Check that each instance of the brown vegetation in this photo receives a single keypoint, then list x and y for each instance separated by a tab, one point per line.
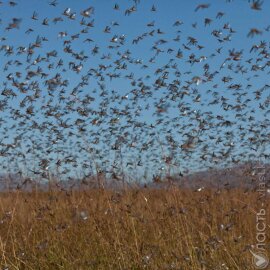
132	229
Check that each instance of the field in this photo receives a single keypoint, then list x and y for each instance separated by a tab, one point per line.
131	229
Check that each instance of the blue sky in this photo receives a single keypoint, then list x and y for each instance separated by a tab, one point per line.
238	14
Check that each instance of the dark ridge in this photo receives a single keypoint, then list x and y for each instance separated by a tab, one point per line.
241	176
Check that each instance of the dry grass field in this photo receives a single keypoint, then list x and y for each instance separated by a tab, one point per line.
132	229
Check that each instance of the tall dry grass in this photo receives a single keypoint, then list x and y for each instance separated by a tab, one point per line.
132	229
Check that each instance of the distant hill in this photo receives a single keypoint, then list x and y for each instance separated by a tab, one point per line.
242	176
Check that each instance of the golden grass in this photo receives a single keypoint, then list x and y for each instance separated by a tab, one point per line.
133	229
